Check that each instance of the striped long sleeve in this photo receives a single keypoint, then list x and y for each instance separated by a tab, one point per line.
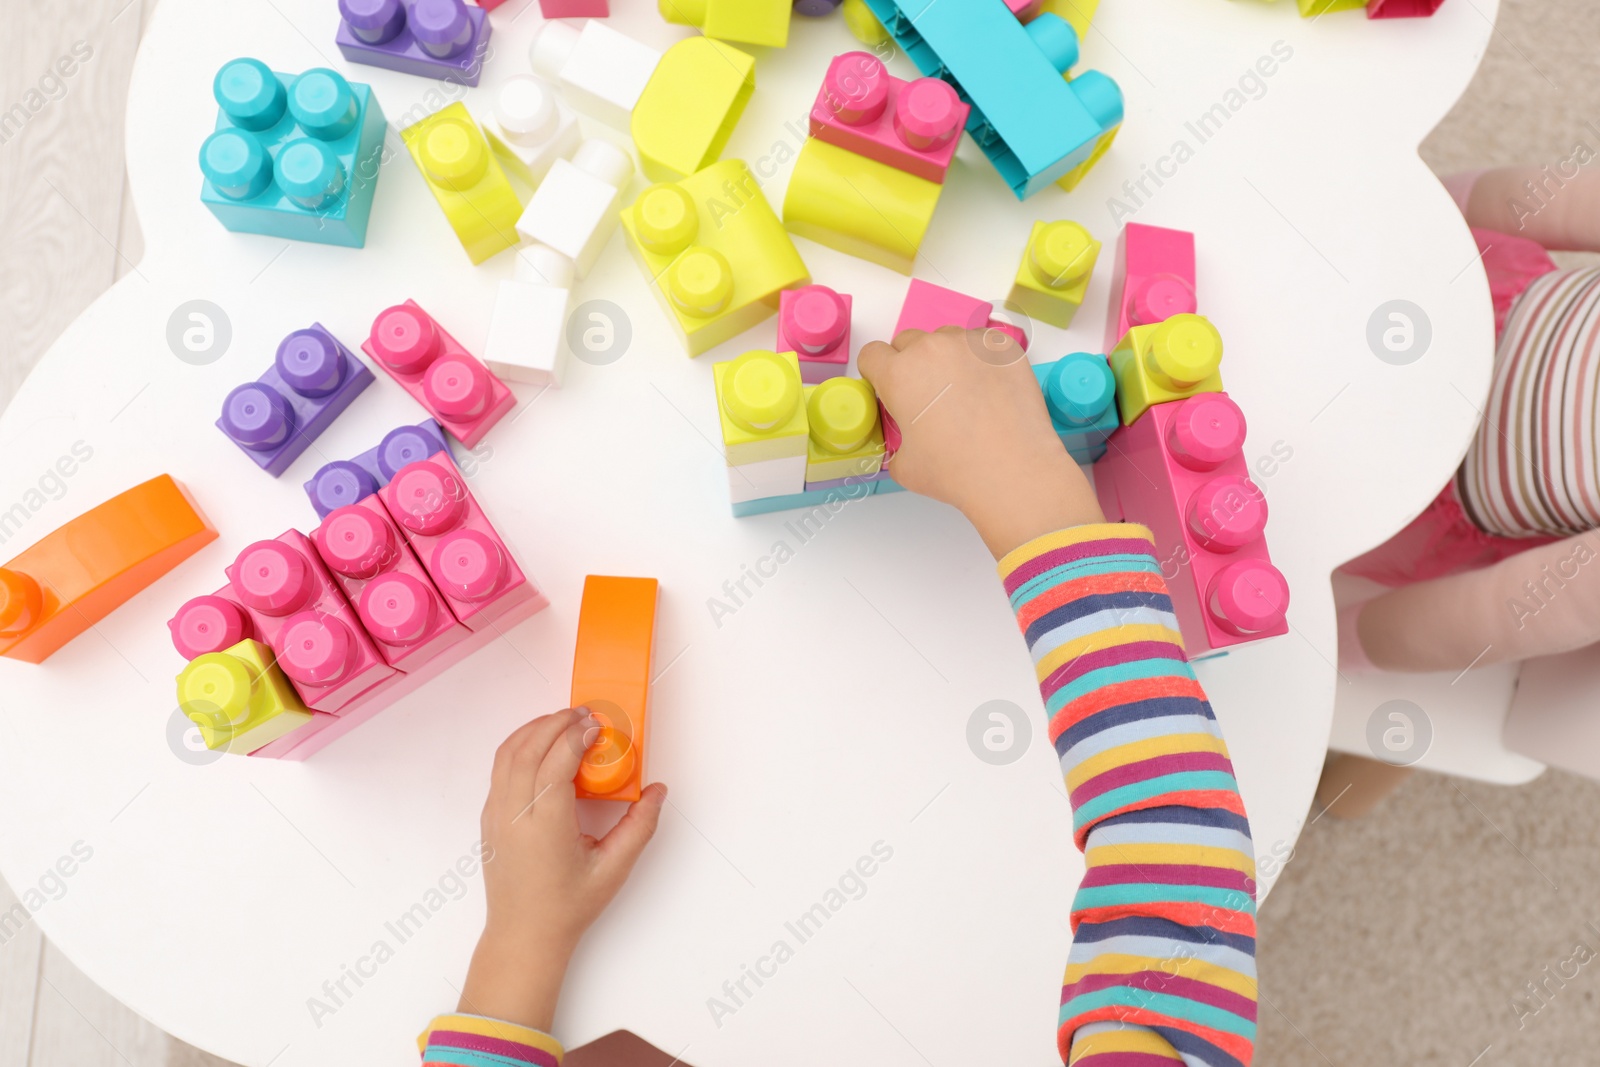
1162	967
476	1041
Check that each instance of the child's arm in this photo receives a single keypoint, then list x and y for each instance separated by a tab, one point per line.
1539	603
1163	960
546	881
1539	204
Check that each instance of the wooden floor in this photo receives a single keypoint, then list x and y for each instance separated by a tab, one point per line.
66	233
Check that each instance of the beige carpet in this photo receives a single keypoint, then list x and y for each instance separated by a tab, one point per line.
1410	937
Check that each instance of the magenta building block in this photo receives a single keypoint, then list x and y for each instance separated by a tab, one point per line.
911	126
311	381
1402	9
1181	471
814	324
393	596
301	614
212	623
324	730
442	39
1154	279
455	542
929	306
450	382
348	481
573	9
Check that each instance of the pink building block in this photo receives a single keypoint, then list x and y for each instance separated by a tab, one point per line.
302	616
814	324
568	9
930	306
467	560
1402	9
393	596
1180	470
211	623
433	367
1154	279
911	126
324	730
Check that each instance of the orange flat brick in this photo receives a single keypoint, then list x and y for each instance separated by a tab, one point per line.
611	677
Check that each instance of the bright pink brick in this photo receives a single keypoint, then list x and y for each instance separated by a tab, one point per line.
393	596
567	9
1402	9
814	324
212	623
930	306
1154	279
1180	470
911	126
324	730
467	560
298	610
455	387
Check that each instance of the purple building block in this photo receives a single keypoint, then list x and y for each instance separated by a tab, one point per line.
442	39
348	481
310	383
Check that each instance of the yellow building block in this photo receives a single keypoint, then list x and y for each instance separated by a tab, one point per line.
1079	13
690	107
715	252
764	22
845	438
1166	361
762	405
1310	8
860	20
858	205
1071	179
1055	272
467	180
239	698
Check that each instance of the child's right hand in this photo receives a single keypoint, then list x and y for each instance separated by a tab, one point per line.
976	435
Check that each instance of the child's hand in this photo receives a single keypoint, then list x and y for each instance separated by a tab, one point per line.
976	435
546	880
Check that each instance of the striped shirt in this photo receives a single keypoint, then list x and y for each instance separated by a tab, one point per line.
1532	469
1162	967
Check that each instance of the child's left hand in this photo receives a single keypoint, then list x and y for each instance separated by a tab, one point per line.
546	880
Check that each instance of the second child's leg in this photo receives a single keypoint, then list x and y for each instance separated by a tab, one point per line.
1539	203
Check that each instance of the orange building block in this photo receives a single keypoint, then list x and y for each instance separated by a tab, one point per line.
84	571
611	677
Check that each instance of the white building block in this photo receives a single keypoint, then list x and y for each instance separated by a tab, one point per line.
531	128
767	478
602	72
527	330
575	209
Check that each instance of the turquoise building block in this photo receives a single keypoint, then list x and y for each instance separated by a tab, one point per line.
793	501
1080	393
293	156
1032	124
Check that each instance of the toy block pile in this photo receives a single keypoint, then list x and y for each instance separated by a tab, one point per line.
611	674
76	575
292	156
1176	463
1011	72
314	634
868	179
312	380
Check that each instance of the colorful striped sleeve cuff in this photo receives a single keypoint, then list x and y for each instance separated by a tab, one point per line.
1162	967
478	1041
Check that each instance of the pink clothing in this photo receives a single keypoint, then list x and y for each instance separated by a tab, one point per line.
1442	540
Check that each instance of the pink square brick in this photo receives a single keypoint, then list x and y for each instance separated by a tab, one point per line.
1180	470
395	599
930	306
566	9
456	544
450	382
300	613
911	126
1154	279
814	324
